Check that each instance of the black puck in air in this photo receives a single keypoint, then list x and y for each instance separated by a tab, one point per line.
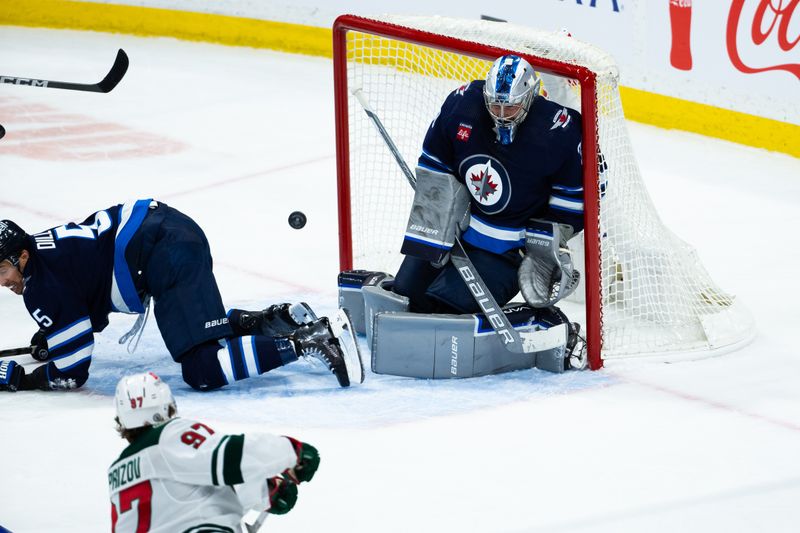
297	219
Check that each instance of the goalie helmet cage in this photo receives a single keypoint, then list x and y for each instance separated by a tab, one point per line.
646	292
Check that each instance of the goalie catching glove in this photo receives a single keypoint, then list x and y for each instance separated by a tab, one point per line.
546	274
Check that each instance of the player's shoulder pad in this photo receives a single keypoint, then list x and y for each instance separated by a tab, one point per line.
561	118
468	88
176	425
464	103
181	435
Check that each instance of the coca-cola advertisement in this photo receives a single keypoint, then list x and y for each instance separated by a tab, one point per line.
741	55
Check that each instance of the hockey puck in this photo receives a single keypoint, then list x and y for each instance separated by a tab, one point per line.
297	219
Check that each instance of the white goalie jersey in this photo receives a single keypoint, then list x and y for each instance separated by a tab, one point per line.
183	476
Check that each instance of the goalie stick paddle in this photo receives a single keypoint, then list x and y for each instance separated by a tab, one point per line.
477	288
107	84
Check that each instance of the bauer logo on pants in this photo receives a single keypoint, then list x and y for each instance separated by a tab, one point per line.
487	181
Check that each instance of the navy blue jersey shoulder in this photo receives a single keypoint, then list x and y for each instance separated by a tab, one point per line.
538	175
75	276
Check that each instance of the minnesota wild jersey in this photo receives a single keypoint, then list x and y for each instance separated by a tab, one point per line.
184	477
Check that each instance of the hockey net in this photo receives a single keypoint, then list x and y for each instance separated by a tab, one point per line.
646	292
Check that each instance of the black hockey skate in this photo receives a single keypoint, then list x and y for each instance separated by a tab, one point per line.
277	320
332	341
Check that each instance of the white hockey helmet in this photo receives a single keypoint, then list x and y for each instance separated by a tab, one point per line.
510	88
143	400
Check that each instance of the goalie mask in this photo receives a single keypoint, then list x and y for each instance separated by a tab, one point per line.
509	91
12	241
143	400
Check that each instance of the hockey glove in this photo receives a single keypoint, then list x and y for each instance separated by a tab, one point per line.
547	274
11	375
307	462
39	348
282	495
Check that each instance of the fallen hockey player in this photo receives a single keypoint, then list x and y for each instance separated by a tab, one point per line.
118	260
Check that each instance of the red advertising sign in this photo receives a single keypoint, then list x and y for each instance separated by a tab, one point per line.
770	25
768	19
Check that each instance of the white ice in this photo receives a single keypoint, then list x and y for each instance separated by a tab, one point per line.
238	138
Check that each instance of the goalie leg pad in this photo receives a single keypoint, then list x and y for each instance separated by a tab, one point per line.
351	283
459	346
380	299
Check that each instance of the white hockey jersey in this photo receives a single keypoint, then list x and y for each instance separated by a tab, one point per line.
183	477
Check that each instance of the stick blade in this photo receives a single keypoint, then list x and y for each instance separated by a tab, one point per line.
117	72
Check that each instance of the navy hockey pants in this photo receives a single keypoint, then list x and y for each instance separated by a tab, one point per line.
441	290
171	261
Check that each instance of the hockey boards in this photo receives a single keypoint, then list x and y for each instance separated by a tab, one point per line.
106	85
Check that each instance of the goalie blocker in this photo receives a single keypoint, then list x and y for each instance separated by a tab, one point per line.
451	346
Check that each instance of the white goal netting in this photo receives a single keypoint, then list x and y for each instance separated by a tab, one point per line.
655	296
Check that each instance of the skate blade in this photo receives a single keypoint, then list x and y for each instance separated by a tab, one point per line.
301	313
343	330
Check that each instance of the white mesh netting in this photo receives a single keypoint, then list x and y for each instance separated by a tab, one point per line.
656	297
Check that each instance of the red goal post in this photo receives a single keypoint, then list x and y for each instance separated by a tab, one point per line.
383	54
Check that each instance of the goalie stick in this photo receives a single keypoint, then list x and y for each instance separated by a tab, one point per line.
511	338
114	76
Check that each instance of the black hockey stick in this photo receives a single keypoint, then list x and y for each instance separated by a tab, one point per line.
9	352
480	292
40	353
114	76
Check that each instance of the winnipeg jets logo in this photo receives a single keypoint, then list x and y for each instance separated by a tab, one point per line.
561	119
487	181
484	184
